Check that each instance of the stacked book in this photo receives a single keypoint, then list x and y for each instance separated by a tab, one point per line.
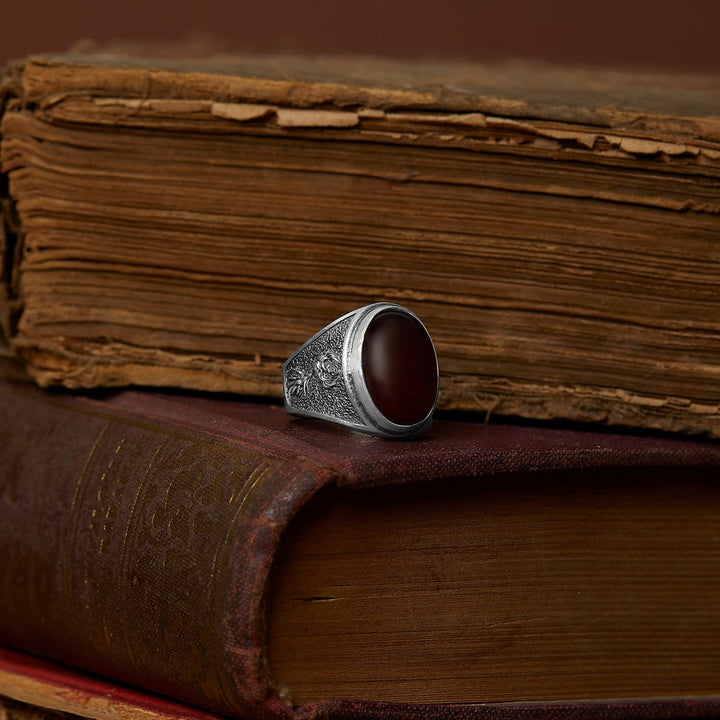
173	544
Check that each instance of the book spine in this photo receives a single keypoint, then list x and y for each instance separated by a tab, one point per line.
139	551
10	230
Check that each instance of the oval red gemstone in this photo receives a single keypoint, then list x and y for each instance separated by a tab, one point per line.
400	367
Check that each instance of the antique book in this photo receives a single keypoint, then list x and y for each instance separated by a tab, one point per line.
190	223
250	564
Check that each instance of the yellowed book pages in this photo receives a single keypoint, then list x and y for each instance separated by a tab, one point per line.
191	224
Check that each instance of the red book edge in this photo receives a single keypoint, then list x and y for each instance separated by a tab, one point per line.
28	679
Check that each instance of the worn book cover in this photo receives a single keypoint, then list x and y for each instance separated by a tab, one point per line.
251	564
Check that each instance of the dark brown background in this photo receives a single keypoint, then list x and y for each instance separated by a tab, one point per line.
676	34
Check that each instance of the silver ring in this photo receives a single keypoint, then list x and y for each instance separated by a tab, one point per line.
374	370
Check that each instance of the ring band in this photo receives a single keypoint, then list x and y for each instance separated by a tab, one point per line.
374	370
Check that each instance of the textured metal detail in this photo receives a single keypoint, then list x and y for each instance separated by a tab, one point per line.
329	369
313	377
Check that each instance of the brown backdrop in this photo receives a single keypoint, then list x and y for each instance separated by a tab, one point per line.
664	33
